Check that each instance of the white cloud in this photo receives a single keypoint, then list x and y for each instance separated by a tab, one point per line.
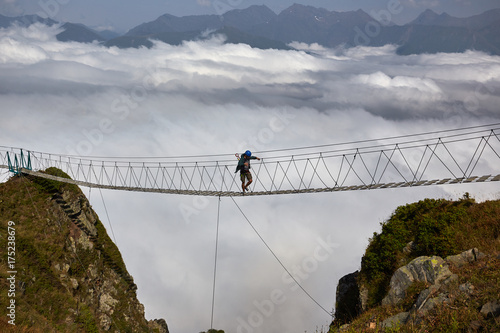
382	80
210	98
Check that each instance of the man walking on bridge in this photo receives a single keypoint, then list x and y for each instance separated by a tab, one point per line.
244	167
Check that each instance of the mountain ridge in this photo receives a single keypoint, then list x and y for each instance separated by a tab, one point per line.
429	17
259	27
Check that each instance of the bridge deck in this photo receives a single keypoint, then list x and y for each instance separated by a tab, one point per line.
447	181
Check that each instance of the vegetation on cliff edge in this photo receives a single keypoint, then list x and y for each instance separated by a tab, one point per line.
427	228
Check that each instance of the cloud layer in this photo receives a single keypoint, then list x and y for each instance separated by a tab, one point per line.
209	98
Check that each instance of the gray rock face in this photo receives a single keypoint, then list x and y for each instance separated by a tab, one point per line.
425	295
467	288
431	303
424	269
491	309
160	325
348	304
396	321
463	258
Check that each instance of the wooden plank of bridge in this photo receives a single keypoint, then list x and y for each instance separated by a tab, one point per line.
470	179
483	179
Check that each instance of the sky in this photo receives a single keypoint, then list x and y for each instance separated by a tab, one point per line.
206	97
123	15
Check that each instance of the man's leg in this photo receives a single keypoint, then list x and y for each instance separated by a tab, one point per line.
249	177
242	177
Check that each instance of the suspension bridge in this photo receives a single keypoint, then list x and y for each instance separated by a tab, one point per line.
456	156
468	155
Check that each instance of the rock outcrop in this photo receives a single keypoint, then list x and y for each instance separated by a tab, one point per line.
158	325
435	272
491	309
347	301
464	258
431	270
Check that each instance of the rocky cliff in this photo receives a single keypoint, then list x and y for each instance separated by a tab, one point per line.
60	271
416	277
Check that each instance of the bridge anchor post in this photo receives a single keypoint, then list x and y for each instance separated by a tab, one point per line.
19	163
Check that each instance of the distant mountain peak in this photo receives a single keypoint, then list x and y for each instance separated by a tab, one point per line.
296	7
427	15
167	16
300	12
244	19
430	17
25	20
429	11
254	8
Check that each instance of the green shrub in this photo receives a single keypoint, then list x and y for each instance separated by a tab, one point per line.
86	319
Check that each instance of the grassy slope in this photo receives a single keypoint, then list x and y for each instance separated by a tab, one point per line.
43	239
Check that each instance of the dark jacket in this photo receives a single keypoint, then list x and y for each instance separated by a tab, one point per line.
241	163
